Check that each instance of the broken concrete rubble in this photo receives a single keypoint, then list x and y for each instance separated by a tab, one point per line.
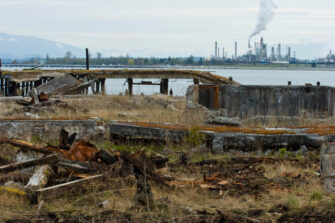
59	85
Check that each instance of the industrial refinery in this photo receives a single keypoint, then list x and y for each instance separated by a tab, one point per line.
258	52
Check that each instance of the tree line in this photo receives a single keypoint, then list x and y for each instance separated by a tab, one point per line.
68	59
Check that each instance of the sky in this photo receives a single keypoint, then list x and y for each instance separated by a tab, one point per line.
169	27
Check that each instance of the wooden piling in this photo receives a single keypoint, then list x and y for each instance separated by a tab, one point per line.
103	87
87	60
97	88
23	89
130	86
6	86
164	86
1	85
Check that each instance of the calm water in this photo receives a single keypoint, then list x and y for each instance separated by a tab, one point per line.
246	77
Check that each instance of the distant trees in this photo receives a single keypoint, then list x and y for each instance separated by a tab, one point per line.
68	55
124	60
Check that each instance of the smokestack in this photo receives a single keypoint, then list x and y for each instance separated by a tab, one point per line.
216	49
249	48
236	50
289	53
273	53
265	16
279	52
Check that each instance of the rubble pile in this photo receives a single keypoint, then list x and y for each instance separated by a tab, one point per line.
43	173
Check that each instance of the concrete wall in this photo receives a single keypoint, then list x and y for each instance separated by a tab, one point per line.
247	102
50	129
127	132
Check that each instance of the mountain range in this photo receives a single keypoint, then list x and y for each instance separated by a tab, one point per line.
20	47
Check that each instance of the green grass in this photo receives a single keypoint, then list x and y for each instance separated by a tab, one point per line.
316	196
292	202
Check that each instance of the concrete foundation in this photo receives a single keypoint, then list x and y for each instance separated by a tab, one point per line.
122	132
217	142
50	129
270	105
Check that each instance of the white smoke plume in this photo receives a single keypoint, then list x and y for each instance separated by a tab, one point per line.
266	13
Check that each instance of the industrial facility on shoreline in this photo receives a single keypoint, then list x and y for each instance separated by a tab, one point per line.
261	52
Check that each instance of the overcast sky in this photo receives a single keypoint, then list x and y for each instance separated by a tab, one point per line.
169	27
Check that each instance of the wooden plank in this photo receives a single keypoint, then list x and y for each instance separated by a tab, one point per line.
33	162
27	146
66	188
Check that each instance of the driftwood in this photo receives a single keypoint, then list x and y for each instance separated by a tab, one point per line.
66	188
33	162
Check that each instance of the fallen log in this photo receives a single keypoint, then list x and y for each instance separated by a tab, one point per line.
66	188
33	162
75	166
40	178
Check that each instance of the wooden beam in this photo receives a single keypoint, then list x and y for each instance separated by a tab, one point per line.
33	162
26	146
66	188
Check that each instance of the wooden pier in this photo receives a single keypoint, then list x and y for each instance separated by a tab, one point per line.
16	83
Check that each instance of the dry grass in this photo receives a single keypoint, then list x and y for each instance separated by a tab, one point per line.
120	198
159	108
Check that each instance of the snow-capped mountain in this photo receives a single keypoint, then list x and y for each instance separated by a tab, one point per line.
19	47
